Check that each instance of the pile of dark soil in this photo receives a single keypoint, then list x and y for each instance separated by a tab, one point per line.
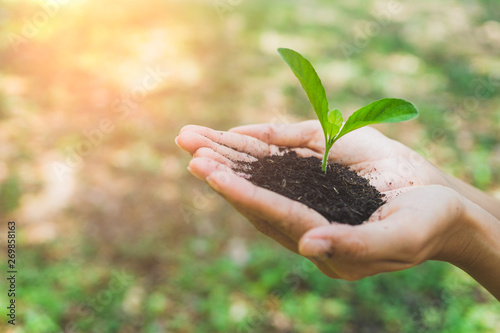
340	195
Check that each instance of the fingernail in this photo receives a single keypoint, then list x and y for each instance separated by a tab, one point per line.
193	173
176	141
315	247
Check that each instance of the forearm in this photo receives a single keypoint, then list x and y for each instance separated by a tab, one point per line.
481	256
487	202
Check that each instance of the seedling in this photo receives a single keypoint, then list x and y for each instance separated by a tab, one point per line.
387	110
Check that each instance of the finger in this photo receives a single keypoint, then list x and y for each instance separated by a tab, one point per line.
202	167
389	195
405	231
241	143
288	216
328	262
211	154
370	241
303	134
307	152
355	270
191	142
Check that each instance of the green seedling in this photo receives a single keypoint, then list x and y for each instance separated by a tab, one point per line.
387	110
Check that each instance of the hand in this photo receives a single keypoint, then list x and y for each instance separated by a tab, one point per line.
422	224
388	163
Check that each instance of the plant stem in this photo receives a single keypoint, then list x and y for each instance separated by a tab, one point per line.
328	146
324	162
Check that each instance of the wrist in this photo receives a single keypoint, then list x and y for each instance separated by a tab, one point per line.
481	258
452	182
481	200
486	231
457	230
467	236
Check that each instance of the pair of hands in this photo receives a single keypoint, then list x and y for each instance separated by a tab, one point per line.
422	220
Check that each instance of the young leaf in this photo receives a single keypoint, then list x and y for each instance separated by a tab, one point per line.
387	110
310	82
335	119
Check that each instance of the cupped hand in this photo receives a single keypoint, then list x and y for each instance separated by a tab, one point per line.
394	242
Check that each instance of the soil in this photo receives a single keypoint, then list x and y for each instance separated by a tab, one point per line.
340	195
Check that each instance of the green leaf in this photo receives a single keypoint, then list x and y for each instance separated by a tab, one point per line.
310	82
335	120
387	110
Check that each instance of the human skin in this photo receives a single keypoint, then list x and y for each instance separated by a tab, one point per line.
428	215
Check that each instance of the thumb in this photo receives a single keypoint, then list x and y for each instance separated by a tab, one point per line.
331	240
384	240
390	228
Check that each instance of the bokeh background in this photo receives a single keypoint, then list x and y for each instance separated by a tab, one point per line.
114	235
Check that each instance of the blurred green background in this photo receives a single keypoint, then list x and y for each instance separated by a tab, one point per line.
114	235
